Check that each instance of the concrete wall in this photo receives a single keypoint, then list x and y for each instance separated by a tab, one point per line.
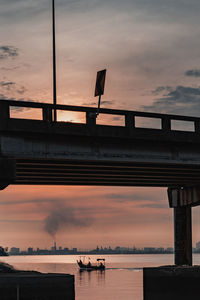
171	283
37	286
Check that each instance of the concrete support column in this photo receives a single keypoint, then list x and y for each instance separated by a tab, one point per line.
183	235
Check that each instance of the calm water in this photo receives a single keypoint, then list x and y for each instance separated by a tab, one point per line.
121	280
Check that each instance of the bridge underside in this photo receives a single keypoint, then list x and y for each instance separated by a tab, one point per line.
44	152
63	172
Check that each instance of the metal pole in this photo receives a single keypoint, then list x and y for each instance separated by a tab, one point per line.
54	61
99	104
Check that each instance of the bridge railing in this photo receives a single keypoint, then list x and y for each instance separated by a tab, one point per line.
130	117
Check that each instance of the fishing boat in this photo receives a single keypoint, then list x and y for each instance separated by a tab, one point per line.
86	264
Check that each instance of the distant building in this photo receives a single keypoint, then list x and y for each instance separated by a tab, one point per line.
54	248
161	249
30	250
149	249
198	245
14	251
170	249
117	248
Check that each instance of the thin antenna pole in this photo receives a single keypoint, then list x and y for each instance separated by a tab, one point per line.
99	104
54	60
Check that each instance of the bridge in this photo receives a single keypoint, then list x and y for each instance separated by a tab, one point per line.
44	152
63	153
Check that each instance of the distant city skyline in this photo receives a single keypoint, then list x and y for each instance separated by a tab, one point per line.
59	246
98	250
101	250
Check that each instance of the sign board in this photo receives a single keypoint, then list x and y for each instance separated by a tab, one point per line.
100	83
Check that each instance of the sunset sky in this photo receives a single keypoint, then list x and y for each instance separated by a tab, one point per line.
151	50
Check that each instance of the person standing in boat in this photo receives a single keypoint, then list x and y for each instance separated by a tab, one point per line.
89	264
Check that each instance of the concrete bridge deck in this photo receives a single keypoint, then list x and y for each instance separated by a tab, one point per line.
63	153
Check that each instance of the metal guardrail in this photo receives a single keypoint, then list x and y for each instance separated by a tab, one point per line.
130	116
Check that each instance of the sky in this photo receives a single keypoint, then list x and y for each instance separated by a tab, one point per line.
151	50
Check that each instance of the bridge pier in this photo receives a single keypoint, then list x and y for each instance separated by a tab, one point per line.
179	281
183	236
182	200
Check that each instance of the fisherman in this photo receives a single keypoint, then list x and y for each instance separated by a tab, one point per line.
89	265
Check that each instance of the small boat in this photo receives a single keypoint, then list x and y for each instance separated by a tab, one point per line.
98	265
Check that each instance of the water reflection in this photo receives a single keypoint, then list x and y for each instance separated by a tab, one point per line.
54	268
84	277
101	276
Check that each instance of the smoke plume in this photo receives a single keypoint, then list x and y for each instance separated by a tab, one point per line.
62	218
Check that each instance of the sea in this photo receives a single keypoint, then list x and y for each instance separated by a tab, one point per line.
122	279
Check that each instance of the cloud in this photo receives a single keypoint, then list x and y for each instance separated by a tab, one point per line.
65	217
15	108
9	91
4	97
117	118
19	221
153	204
11	86
149	199
8	51
7	84
178	100
9	68
27	201
21	90
193	73
108	102
161	89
